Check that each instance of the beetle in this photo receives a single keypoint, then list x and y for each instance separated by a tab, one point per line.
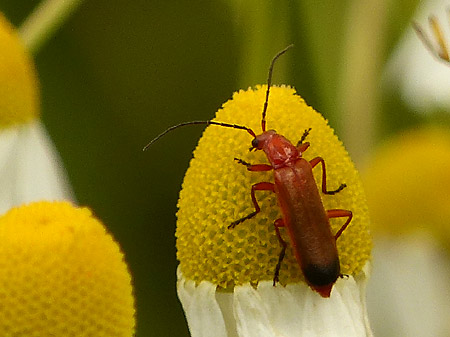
303	213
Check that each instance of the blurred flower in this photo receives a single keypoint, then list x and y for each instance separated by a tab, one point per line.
423	81
29	166
62	274
407	184
225	275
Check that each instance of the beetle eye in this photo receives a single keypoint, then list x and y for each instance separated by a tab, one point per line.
255	143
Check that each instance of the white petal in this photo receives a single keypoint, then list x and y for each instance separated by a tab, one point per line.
424	81
252	318
202	311
409	291
291	311
29	167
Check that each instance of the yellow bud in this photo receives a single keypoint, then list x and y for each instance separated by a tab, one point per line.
62	274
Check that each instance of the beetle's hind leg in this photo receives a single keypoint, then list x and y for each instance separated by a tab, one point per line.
279	223
340	213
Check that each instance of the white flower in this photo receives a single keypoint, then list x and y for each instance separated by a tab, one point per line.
409	290
268	311
29	166
216	257
423	80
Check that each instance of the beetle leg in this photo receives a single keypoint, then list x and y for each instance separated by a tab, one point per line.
305	134
340	213
318	160
254	167
279	223
303	147
263	186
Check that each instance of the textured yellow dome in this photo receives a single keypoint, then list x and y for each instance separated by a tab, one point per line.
61	274
19	94
408	181
216	191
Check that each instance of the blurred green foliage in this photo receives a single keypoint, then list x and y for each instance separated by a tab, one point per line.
117	73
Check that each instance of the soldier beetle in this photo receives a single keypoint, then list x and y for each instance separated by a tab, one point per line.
303	213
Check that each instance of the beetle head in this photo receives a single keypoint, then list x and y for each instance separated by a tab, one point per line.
260	141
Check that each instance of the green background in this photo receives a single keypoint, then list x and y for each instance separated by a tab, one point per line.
119	72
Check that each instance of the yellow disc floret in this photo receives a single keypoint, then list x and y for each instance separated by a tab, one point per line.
19	96
61	274
408	181
216	191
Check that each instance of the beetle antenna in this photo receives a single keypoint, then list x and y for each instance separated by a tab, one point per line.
269	83
227	125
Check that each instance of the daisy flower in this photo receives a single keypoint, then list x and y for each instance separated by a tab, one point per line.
62	274
225	276
30	168
407	184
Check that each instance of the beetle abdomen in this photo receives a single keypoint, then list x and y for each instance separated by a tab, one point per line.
307	224
321	275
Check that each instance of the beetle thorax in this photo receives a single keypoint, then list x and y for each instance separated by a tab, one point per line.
279	151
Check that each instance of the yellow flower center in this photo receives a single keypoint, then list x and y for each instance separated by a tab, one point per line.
61	274
216	191
19	96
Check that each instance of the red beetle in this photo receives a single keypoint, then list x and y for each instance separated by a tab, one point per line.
303	214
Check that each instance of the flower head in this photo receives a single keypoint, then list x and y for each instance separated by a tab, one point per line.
216	191
62	274
241	261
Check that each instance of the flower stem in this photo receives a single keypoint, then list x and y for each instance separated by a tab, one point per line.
39	26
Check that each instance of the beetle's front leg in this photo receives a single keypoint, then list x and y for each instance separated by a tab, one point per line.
301	141
263	186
